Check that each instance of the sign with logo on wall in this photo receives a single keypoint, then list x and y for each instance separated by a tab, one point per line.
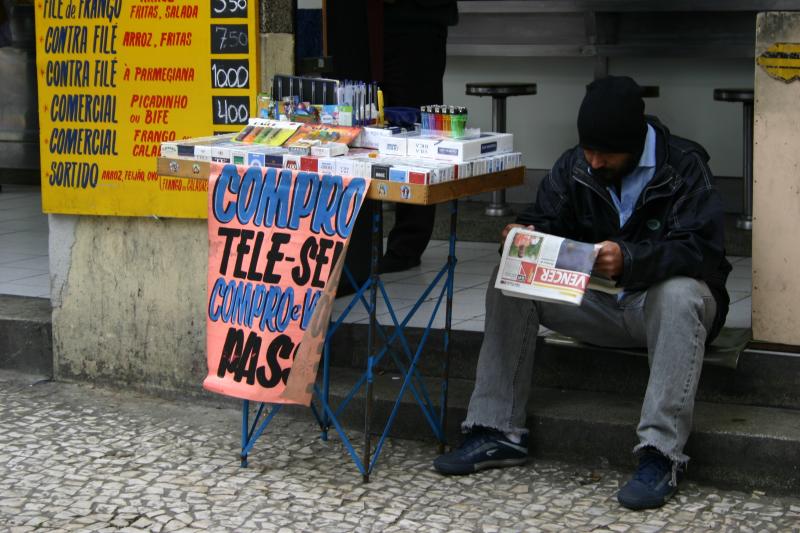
118	77
781	61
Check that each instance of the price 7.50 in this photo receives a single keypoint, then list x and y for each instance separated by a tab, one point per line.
231	38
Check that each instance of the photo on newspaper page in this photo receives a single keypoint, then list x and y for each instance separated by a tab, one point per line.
545	267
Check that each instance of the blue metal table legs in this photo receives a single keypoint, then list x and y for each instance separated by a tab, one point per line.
379	343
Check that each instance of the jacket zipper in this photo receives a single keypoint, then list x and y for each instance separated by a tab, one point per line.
593	188
608	201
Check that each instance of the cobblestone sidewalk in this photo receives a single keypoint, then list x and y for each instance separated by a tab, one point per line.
83	458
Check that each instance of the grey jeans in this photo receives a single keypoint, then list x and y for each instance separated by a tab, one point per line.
671	319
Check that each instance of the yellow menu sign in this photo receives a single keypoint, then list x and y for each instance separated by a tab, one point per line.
118	77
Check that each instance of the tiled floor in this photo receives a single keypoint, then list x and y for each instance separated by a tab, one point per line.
24	271
475	263
24	266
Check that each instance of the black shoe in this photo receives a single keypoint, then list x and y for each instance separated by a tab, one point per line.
395	263
483	448
653	483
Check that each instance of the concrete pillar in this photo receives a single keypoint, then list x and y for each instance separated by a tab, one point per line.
129	301
776	195
276	40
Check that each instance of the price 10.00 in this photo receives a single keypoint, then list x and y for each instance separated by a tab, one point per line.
230	74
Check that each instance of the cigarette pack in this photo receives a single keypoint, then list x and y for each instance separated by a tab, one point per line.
256	155
380	171
326	165
309	163
344	166
329	149
238	156
399	173
256	159
273	160
363	168
406	174
221	153
419	176
203	152
185	148
291	161
440	171
463	170
302	147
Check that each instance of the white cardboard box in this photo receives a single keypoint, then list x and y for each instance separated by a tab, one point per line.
370	137
460	150
395	145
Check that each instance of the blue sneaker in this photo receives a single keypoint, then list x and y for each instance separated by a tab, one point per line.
653	483
483	448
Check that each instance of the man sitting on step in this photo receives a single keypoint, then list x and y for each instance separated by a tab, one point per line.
647	197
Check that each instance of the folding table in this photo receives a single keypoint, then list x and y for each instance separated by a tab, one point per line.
379	341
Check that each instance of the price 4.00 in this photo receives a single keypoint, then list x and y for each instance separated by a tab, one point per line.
231	109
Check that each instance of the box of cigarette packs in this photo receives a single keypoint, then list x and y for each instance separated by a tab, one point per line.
460	150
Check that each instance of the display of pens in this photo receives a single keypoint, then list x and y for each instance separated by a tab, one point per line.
353	103
443	120
363	99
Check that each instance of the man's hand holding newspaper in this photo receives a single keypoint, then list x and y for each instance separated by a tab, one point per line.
609	260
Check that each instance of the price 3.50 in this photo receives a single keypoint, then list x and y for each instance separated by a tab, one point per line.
228	8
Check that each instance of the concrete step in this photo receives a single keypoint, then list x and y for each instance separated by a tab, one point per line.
732	446
762	378
26	341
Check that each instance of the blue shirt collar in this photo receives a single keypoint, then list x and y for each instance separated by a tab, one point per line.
635	182
648	159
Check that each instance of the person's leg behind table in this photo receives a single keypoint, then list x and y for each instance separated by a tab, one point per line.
359	252
495	427
414	63
674	318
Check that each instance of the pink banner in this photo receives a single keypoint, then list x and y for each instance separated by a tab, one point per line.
274	237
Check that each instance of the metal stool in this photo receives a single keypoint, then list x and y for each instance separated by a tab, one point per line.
745	96
499	92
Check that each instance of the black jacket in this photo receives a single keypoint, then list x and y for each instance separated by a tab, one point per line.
676	228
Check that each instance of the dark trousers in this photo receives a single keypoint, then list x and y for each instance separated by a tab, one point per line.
413	67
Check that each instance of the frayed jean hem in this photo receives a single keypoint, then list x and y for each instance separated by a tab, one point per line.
469	425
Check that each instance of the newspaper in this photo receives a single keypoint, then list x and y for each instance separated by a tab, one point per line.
545	267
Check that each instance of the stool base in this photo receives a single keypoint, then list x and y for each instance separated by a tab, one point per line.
498	206
497	210
744	222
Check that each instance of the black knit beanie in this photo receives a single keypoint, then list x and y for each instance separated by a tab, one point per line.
611	118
